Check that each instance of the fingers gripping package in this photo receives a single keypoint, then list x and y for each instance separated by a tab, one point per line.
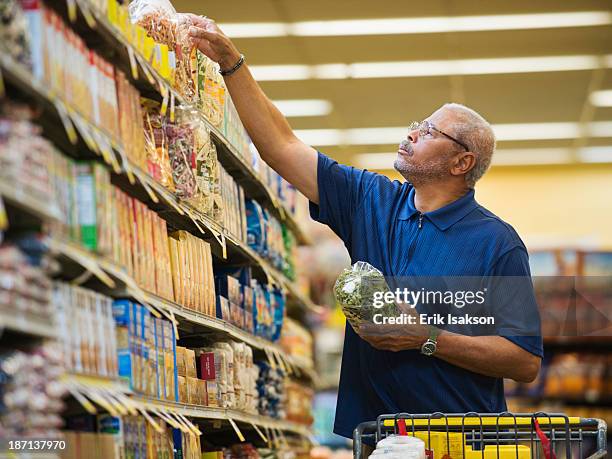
169	28
354	291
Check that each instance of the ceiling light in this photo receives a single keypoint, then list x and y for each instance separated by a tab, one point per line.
281	72
321	137
396	69
503	132
601	98
440	24
304	107
596	154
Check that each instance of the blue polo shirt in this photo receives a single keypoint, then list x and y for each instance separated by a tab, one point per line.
378	222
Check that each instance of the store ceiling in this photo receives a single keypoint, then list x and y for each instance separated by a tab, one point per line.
516	95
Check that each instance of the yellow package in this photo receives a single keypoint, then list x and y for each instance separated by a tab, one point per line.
173	248
201	277
505	452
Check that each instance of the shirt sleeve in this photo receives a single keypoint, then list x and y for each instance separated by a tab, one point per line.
342	190
515	306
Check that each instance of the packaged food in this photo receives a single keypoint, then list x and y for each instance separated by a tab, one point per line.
354	291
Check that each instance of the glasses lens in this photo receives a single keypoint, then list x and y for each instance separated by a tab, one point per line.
413	126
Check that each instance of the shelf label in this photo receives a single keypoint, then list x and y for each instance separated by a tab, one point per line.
133	63
86	404
89	19
2	87
3	216
72	10
84	130
236	429
68	126
172	107
258	430
165	94
151	421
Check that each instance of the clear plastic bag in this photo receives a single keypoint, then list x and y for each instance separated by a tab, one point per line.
354	291
166	26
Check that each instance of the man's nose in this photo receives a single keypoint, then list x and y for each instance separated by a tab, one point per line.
413	135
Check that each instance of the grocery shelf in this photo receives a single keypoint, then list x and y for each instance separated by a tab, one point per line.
210	413
184	215
27	324
116	47
98	382
15	195
120	283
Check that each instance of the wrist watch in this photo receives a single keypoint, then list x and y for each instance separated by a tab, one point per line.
429	347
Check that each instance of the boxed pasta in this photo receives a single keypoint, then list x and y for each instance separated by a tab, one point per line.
182	389
190	364
192	390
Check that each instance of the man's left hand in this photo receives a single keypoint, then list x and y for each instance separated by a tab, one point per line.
395	337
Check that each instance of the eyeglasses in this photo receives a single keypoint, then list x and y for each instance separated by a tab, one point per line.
425	127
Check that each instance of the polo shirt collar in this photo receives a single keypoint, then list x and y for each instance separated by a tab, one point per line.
444	217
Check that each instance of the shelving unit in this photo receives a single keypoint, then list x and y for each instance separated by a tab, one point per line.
74	134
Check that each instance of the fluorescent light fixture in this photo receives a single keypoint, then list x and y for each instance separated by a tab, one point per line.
256	29
281	72
601	98
503	132
397	69
506	157
599	129
596	154
440	24
321	137
304	107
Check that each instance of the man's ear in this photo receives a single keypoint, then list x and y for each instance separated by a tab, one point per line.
463	163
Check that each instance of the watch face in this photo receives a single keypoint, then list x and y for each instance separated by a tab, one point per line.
428	348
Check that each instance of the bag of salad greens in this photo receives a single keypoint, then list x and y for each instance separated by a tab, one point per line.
354	291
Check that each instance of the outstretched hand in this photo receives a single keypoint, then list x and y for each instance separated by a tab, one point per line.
210	40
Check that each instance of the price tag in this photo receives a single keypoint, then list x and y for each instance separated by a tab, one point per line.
3	216
269	357
145	70
133	64
72	10
96	397
236	429
172	107
258	430
165	94
126	165
151	421
68	126
89	19
84	130
86	404
2	87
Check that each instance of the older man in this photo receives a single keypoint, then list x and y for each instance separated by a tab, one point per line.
429	225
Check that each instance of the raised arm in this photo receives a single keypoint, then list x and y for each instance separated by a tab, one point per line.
295	161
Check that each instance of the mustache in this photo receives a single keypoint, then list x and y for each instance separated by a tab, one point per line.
405	145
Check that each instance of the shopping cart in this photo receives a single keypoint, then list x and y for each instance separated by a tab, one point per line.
491	436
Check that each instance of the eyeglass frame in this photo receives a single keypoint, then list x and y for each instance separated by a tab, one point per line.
430	126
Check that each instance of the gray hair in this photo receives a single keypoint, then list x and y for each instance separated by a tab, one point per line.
476	132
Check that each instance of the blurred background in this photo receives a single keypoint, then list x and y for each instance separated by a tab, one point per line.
352	75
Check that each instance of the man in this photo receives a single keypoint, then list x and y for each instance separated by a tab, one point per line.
429	226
